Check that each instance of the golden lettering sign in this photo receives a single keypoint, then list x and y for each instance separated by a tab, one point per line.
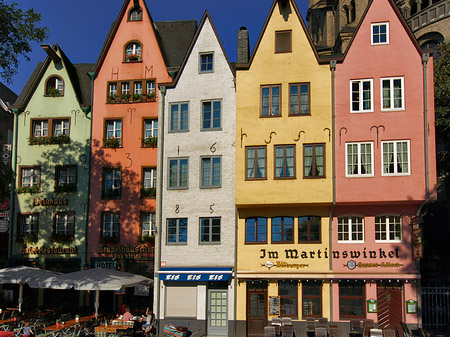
50	202
48	250
127	252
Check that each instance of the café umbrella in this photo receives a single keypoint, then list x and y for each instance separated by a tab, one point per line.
22	275
93	279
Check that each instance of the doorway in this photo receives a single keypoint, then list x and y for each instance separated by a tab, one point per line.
390	306
256	311
217	312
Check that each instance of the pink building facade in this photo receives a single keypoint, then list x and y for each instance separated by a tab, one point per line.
385	169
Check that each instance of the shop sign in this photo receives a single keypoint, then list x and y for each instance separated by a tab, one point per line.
106	264
127	252
4	205
194	274
4	214
50	202
4	225
319	254
43	250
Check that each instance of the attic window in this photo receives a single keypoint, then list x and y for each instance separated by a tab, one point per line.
54	86
135	14
133	52
283	41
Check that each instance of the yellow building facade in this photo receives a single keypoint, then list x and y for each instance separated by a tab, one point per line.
284	185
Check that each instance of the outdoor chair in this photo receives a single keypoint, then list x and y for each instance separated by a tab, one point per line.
276	323
286	321
389	333
310	326
376	332
269	331
287	331
323	322
334	331
356	326
321	332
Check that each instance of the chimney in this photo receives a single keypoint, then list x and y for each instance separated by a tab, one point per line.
243	47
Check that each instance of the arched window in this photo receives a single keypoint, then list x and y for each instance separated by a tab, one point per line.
135	14
353	11
54	86
133	52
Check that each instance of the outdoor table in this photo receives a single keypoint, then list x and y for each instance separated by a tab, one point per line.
9	320
110	328
59	326
6	334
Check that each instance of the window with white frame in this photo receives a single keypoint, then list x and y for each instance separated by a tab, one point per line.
40	128
113	133
359	159
396	157
211	172
177	230
66	176
149	177
211	115
148	224
112	91
29	224
30	176
350	228
388	228
135	14
60	127
133	52
65	223
361	95
178	173
125	89
392	94
179	117
55	86
209	230
111	183
206	63
150	128
137	88
110	225
380	33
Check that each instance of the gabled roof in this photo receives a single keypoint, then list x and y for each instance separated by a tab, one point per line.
400	18
305	30
77	73
192	45
6	94
173	37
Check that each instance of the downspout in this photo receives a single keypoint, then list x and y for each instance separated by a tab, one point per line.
235	263
425	58
12	200
333	161
91	76
160	149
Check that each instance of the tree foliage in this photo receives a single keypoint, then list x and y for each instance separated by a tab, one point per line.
6	175
18	28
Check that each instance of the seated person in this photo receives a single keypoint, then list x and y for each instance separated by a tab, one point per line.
122	310
127	316
149	325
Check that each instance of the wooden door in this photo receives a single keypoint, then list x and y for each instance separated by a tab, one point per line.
256	312
390	307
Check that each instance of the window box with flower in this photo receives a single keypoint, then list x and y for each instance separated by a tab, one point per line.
111	142
132	58
53	92
148	238
28	239
150	141
149	192
62	238
112	98
27	189
125	98
61	139
138	98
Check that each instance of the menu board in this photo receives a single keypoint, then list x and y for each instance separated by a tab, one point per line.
274	305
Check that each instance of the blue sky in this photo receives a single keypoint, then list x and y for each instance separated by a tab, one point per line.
80	26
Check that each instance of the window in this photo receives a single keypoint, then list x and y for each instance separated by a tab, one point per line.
151	92
287	290
211	172
133	52
148	182
255	162
350	228
125	90
178	173
66	178
284	161
137	89
54	86
177	230
351	299
359	159
396	157
135	14
361	95
113	133
270	100
314	160
299	103
179	117
110	226
206	62
283	229
50	127
392	93
111	183
256	230
209	230
309	229
29	225
388	228
380	33
283	41
131	91
112	91
65	223
312	298
211	115
150	131
148	224
30	176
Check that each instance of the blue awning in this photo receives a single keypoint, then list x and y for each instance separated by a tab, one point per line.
195	274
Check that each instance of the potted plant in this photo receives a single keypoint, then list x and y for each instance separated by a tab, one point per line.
150	141
27	189
38	140
132	58
148	238
60	139
112	98
125	97
137	97
53	92
151	96
149	192
111	142
57	322
29	239
77	318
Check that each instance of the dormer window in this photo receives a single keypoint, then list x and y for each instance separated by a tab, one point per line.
135	14
133	52
54	86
